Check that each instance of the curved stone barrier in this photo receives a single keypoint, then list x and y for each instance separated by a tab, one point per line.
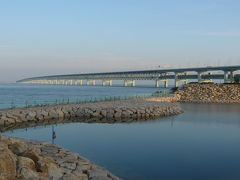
36	160
28	159
119	111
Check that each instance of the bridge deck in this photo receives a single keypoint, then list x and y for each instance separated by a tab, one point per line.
143	75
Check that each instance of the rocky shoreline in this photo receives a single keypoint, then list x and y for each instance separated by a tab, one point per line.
204	93
36	160
30	159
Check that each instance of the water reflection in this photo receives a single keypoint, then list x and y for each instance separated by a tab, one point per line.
212	108
34	124
212	114
54	136
202	143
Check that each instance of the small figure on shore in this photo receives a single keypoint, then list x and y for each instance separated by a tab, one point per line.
54	136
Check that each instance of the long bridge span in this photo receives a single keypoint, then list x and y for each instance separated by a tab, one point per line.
229	74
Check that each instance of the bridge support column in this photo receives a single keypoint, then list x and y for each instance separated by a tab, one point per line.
91	82
176	80
200	78
166	83
80	82
179	79
228	77
107	82
75	82
157	83
185	81
131	82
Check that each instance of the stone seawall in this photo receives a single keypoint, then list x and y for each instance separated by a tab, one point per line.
118	111
22	159
204	93
209	93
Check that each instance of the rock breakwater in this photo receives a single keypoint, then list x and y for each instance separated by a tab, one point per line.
28	159
22	159
209	93
118	111
204	93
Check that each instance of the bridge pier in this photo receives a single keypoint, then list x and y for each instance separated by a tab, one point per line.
107	82
157	83
199	77
201	80
177	79
131	82
228	76
79	82
66	82
75	82
91	82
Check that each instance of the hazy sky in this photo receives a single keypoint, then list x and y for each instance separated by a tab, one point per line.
41	37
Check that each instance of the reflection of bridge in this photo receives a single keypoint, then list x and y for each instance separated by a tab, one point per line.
203	74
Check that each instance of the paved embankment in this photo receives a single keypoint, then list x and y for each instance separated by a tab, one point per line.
205	93
35	160
118	111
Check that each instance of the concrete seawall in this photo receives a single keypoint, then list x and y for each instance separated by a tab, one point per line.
118	111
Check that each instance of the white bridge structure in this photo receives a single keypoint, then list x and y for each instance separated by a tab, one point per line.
229	74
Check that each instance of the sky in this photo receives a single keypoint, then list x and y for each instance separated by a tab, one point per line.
46	37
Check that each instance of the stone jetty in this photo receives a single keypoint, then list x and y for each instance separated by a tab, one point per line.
117	111
22	159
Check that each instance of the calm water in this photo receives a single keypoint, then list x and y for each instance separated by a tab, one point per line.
201	144
20	95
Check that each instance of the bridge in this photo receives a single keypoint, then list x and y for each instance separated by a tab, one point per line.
229	74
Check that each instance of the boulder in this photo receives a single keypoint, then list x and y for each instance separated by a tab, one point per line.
7	163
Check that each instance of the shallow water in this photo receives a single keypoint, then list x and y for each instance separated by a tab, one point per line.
20	95
202	143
